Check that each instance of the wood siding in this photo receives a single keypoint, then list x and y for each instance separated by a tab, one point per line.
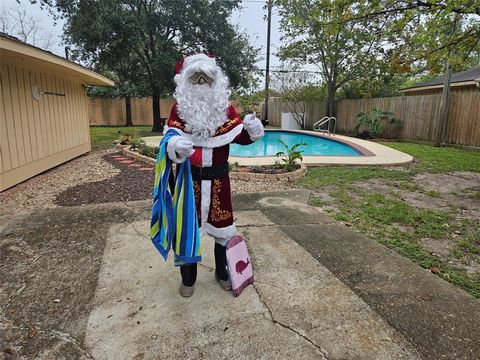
419	116
39	134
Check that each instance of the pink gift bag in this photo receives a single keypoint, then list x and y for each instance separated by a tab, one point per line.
239	264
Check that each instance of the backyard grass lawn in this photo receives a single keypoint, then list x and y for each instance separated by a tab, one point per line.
102	136
428	211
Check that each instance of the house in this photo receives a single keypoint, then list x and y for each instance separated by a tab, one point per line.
43	110
463	81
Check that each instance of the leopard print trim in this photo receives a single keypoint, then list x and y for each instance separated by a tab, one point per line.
218	214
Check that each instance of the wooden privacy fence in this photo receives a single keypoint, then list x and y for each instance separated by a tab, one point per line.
112	112
419	116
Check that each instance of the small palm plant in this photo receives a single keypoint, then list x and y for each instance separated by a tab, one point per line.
290	156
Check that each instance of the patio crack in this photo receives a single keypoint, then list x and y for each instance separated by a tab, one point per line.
140	233
285	326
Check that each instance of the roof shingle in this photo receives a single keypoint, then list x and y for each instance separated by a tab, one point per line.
462	76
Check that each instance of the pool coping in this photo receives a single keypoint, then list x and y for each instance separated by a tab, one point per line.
373	154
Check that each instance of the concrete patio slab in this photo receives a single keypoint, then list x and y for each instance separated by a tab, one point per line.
296	309
436	316
85	282
139	313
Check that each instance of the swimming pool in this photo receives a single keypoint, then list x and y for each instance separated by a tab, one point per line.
316	145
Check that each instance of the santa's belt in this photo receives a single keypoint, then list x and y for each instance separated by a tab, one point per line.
209	172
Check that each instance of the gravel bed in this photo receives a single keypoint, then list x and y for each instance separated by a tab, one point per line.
96	178
241	186
41	190
133	184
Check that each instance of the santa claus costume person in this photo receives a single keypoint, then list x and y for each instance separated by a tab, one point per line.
204	123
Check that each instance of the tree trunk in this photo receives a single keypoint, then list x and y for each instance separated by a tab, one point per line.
331	110
128	111
157	121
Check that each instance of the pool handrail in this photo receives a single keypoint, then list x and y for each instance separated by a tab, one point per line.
325	120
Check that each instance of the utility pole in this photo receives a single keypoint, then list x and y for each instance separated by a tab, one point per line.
267	67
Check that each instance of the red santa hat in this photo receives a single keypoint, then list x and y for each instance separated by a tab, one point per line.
187	60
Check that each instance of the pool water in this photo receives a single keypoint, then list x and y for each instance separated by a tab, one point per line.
269	145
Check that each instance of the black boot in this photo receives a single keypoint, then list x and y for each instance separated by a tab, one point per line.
221	269
189	274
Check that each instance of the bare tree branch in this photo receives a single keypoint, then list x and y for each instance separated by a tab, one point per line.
16	22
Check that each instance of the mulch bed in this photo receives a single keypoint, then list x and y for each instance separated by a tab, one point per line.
134	182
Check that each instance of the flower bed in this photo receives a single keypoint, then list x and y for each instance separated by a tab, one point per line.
240	173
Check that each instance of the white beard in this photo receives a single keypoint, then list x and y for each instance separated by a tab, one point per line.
203	108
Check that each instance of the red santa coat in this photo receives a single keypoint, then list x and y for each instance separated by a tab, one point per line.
213	197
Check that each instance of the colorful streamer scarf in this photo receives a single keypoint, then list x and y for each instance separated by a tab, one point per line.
174	221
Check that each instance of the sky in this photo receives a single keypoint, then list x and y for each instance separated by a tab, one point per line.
250	19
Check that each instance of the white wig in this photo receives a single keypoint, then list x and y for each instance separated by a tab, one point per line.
202	107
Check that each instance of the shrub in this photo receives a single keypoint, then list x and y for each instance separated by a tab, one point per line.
150	151
125	139
374	121
290	156
137	143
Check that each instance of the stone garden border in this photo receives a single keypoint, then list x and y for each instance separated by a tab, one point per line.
237	175
125	149
284	177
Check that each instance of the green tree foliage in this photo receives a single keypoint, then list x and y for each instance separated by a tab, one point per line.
381	83
373	48
249	102
140	41
130	80
422	34
324	34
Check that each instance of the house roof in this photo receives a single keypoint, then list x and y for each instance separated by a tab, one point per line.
462	78
19	51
